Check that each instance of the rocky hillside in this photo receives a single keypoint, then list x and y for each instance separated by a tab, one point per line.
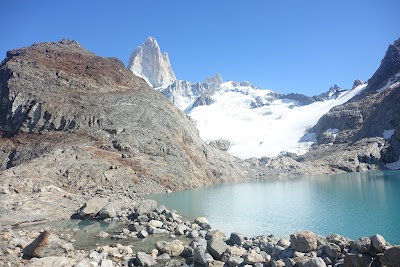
84	123
374	113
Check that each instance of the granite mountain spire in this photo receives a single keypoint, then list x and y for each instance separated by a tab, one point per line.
148	62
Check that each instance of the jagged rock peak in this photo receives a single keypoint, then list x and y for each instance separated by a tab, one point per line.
148	62
390	66
357	83
215	81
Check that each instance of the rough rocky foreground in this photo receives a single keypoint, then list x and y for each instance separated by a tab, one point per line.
186	244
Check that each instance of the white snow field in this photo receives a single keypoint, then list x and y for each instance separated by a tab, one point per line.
263	131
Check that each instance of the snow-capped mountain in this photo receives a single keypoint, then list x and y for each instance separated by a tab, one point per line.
147	62
251	122
183	93
273	127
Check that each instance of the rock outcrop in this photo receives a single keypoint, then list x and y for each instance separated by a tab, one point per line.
148	62
370	114
86	124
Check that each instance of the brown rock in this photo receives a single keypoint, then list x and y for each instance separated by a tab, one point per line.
304	241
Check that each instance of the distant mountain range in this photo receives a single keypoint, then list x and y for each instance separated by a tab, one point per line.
254	122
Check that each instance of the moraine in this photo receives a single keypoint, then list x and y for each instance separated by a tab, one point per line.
353	205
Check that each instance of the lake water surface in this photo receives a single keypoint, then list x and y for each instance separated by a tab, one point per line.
353	205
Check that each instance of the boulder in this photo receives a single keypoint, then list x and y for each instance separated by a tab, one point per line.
173	248
278	263
363	244
155	223
91	207
142	234
339	240
235	261
283	242
215	263
203	223
315	262
391	257
305	261
253	257
217	234
216	247
110	210
304	241
357	260
378	242
200	256
52	261
332	250
144	259
145	206
236	239
47	244
106	263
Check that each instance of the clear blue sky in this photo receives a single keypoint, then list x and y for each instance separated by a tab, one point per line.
300	46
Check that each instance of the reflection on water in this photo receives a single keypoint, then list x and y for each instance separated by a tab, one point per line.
354	205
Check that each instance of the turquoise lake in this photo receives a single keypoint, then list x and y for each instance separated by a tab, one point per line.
352	204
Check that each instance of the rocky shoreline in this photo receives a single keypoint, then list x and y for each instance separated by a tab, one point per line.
183	243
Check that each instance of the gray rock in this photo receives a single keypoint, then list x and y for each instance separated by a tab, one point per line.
315	262
173	248
287	253
278	263
107	263
52	261
180	229
357	260
391	257
253	257
110	210
203	223
46	244
283	242
92	207
221	144
289	262
217	234
200	256
305	261
187	252
142	234
193	234
332	250
156	231
235	261
215	263
164	256
363	244
198	241
304	241
216	247
339	240
236	239
102	234
321	241
378	242
144	259
135	227
145	207
155	223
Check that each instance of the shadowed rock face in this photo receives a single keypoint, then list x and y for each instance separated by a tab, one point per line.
371	112
80	121
390	66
